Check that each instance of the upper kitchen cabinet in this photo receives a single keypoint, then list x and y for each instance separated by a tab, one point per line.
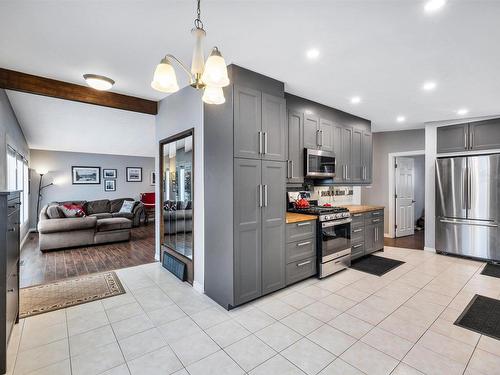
326	135
475	136
356	172
454	138
259	125
367	157
295	171
311	131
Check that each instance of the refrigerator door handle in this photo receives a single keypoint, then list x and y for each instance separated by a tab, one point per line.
490	224
469	189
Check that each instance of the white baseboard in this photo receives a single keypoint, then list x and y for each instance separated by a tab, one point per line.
431	249
198	287
387	235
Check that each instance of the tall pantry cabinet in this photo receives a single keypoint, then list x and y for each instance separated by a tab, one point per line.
245	168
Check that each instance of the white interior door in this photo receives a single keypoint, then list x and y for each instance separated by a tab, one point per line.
405	197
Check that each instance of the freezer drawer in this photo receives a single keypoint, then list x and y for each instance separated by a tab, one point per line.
470	238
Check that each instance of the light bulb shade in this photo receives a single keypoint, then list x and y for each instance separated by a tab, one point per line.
215	73
42	170
198	61
164	78
213	95
98	82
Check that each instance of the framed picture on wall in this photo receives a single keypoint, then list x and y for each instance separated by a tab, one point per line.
134	174
109	185
109	173
86	175
152	178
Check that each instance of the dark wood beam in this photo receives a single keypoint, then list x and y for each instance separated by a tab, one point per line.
12	80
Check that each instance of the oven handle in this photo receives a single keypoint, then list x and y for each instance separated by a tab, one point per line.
335	222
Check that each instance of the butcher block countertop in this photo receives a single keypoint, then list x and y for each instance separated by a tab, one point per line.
356	208
292	217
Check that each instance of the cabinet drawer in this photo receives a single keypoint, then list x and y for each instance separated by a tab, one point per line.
12	301
300	231
299	250
376	220
300	270
357	250
375	214
13	206
357	234
358	219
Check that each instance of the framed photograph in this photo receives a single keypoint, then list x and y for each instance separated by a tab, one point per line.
86	175
152	178
109	185
109	173
134	174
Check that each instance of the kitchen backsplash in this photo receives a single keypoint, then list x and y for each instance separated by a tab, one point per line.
337	195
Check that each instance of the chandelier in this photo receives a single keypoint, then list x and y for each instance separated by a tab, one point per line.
210	76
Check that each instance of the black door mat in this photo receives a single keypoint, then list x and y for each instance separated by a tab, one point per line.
492	270
482	315
375	265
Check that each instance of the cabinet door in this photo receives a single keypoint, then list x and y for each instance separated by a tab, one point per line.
367	157
274	128
485	135
247	230
326	135
356	165
295	147
273	226
369	239
311	131
452	138
379	239
345	170
247	122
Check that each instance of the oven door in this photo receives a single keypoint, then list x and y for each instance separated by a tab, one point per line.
319	164
335	239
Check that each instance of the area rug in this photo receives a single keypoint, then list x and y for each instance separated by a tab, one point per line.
492	270
482	315
375	265
43	298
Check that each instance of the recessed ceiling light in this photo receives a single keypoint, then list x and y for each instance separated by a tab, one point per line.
400	119
98	82
462	111
355	100
429	85
434	5
309	112
312	54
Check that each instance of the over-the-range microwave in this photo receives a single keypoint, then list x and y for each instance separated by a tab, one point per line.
319	164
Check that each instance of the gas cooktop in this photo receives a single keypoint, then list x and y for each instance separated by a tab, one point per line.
319	210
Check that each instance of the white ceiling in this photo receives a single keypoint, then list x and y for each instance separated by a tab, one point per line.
62	125
380	50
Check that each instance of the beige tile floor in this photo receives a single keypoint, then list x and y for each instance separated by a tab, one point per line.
350	323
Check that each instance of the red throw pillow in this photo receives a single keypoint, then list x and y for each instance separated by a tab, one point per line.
72	210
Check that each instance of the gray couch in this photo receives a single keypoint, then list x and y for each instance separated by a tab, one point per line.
103	223
177	217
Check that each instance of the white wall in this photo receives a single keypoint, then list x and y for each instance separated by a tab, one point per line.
59	164
176	113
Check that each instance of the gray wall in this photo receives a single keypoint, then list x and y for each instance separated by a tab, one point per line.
59	163
10	134
385	143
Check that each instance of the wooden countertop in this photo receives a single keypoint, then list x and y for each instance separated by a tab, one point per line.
357	208
292	217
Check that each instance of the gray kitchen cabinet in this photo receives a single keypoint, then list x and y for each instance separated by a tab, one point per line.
326	135
454	138
367	233
247	230
273	226
356	165
300	251
337	142
247	123
367	158
484	135
345	157
295	167
311	131
379	236
274	128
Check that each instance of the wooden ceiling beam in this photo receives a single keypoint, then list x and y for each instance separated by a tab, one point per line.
12	80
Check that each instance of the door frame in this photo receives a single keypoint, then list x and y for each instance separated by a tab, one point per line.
392	186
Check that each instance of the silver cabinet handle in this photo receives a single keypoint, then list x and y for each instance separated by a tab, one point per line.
265	195
376	234
260	195
11	230
300	244
466	146
471	146
10	290
317	138
260	142
358	245
288	174
357	215
291	163
321	137
265	143
357	230
376	213
303	263
375	220
304	224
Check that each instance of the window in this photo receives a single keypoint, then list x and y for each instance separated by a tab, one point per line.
18	179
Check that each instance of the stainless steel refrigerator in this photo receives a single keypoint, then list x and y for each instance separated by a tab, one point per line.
467	206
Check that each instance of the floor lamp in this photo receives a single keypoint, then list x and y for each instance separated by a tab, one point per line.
40	188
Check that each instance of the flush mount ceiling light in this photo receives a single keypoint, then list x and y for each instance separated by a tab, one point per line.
432	6
400	119
429	86
312	54
210	76
98	82
462	111
355	100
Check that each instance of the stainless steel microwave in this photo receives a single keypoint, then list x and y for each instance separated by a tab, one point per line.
319	164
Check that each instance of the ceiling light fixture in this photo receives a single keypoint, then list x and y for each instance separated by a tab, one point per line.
355	100
433	5
462	111
98	82
312	54
429	86
210	76
401	119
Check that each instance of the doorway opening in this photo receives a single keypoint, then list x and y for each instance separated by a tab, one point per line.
406	200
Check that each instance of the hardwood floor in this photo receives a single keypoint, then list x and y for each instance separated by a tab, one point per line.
410	242
40	268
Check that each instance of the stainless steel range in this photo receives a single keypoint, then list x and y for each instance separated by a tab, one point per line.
333	233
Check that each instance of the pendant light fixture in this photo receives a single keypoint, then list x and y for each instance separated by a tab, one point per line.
210	76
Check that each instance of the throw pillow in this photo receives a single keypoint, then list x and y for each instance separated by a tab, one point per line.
127	206
72	210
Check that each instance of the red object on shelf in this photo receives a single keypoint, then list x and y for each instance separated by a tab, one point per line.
327	205
301	203
148	200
